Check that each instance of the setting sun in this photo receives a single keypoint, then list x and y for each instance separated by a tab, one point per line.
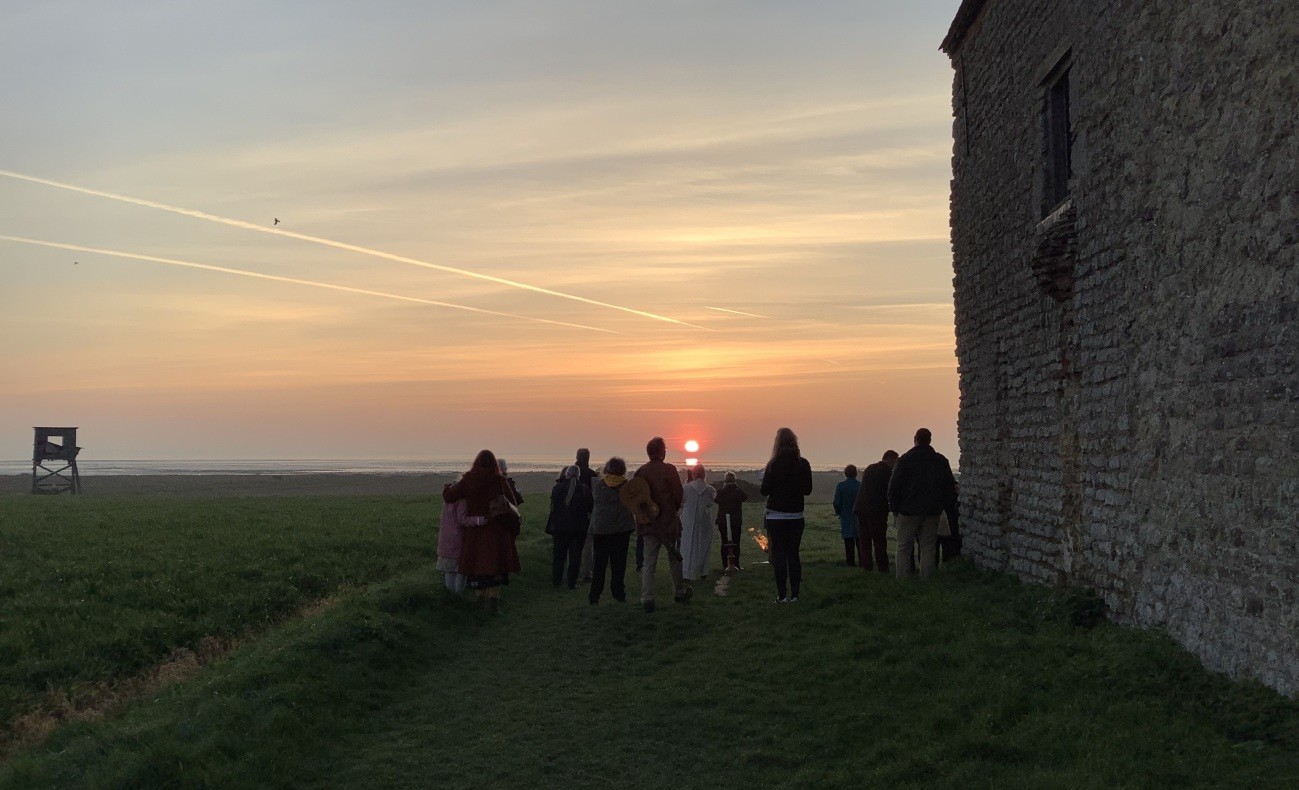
692	446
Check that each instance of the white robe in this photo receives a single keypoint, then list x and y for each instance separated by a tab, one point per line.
697	529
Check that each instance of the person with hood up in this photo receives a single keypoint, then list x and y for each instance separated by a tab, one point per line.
696	525
611	526
488	554
569	520
785	482
845	497
730	521
505	470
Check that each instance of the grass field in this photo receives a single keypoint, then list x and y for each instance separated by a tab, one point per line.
972	680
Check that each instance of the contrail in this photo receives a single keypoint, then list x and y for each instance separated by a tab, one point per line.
724	310
236	223
276	278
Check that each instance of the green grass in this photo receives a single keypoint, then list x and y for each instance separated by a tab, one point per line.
972	680
96	590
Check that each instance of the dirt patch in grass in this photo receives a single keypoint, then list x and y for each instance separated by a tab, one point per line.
93	701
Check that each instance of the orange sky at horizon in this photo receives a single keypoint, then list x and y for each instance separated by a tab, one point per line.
740	178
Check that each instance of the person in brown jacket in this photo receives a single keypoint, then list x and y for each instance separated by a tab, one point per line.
872	509
664	530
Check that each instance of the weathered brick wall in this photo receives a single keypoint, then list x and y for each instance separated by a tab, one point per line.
1130	401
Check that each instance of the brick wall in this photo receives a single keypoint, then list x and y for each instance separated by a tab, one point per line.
1129	392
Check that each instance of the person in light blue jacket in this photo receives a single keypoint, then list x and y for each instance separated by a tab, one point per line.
845	494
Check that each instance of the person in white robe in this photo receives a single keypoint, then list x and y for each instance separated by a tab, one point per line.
696	525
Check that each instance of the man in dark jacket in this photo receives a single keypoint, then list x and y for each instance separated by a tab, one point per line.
730	521
872	509
569	521
921	487
587	476
665	530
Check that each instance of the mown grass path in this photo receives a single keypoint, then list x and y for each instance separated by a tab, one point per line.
971	680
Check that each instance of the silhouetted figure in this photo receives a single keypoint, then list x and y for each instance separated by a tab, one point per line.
487	552
664	530
785	482
569	521
611	526
872	510
730	521
921	487
845	497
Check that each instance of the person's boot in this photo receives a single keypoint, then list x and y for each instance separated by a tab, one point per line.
648	606
685	595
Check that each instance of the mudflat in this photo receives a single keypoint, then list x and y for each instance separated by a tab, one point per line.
334	484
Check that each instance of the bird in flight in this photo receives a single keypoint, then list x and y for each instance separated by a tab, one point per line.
277	220
74	263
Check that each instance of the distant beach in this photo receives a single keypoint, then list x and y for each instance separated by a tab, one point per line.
401	479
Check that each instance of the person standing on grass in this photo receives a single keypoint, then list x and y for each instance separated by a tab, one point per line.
488	554
785	482
587	476
845	496
872	511
921	487
568	523
664	529
696	525
450	536
611	527
730	521
505	470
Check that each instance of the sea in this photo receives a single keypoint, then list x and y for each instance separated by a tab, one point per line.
290	466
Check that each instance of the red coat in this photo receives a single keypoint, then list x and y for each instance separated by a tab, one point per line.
486	550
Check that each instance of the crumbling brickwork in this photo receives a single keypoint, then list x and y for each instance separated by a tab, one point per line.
1129	413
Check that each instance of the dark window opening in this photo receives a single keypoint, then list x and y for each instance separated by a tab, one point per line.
1058	139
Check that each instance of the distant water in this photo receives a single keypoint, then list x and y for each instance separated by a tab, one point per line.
315	467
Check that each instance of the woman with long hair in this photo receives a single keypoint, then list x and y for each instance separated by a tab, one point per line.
487	552
785	482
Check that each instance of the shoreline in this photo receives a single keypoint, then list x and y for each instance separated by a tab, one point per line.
271	484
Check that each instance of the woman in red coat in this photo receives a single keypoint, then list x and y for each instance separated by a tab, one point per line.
487	552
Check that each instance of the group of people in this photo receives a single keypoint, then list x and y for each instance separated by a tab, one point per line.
594	515
919	489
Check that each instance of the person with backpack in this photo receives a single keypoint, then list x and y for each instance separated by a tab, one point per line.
568	523
612	525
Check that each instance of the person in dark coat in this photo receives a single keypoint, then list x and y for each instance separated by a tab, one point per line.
612	524
569	520
487	551
921	487
730	521
587	476
872	510
949	545
785	482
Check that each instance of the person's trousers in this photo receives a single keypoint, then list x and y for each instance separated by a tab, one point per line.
609	551
730	543
873	541
921	534
652	545
850	550
786	535
567	547
640	553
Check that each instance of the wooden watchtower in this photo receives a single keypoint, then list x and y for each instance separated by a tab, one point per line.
54	461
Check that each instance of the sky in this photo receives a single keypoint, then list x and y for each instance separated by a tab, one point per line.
698	219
